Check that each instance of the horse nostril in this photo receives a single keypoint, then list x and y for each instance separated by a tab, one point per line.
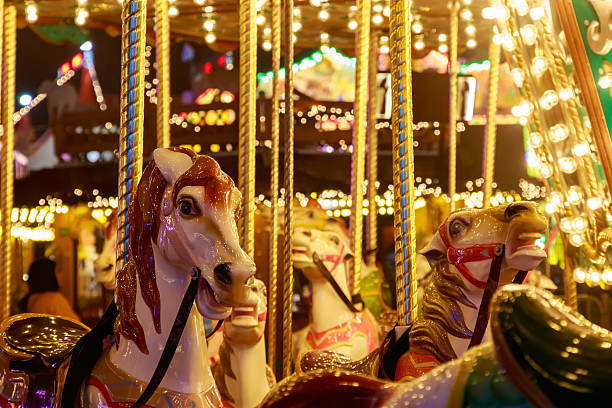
515	209
307	233
222	273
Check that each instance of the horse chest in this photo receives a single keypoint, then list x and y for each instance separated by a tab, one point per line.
357	336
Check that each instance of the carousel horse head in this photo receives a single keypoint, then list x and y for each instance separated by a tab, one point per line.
104	265
318	233
247	323
183	218
467	239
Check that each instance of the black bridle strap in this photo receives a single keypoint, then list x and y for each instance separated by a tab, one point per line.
217	327
173	339
520	277
327	275
492	282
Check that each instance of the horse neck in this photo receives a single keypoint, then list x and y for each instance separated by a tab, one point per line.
470	314
328	310
249	366
189	371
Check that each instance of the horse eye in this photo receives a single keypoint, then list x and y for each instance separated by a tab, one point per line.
335	240
187	207
457	226
310	214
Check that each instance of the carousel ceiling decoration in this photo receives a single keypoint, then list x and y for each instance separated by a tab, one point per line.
316	23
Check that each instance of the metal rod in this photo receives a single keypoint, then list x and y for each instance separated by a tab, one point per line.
452	121
490	136
403	161
162	54
274	230
359	135
247	122
133	41
287	40
371	227
8	32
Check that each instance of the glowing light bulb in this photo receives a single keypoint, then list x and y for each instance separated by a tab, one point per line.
555	198
386	11
443	48
550	208
594	203
518	76
574	195
576	240
565	94
558	133
535	139
466	14
470	30
579	224
267	45
377	8
606	276
595	276
567	165
442	37
545	170
377	19
528	32
491	13
604	82
324	37
520	6
208	9
549	99
315	3
523	109
323	15
419	44
579	275
209	25
173	11
297	26
297	12
210	38
537	13
471	43
581	149
565	225
352	25
508	43
539	66
417	27
199	2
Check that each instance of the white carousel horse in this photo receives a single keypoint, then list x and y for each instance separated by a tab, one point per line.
463	254
104	265
241	374
183	237
334	326
543	355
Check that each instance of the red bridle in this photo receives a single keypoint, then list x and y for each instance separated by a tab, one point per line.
334	258
458	257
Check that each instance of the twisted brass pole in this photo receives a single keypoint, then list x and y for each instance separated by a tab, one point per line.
8	27
371	228
403	161
359	134
452	121
490	136
274	230
133	42
162	53
247	122
288	173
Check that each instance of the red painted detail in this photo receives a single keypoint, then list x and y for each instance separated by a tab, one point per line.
94	382
460	256
414	365
343	333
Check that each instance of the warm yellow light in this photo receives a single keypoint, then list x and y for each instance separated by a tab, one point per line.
579	275
549	99
558	132
267	45
209	25
210	38
539	66
567	165
377	19
323	15
419	44
528	32
352	25
173	11
417	27
443	48
466	14
470	29
471	43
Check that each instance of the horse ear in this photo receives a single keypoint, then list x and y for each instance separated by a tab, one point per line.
435	251
171	164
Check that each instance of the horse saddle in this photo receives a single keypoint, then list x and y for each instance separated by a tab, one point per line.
33	350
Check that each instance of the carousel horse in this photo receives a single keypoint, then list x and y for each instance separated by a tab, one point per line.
321	251
473	252
183	250
543	354
241	374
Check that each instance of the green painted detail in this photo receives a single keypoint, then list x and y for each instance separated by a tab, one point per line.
58	34
488	387
375	289
600	64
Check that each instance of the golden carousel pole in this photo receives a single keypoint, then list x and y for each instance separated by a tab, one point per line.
452	121
371	228
247	126
8	30
490	136
403	161
162	53
359	134
273	273
287	40
133	42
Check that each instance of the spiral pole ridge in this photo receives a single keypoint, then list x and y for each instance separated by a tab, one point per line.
452	122
162	53
372	228
490	136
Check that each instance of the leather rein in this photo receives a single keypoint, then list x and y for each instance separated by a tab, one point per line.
458	257
327	274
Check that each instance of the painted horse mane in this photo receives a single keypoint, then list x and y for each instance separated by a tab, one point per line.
144	221
441	314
